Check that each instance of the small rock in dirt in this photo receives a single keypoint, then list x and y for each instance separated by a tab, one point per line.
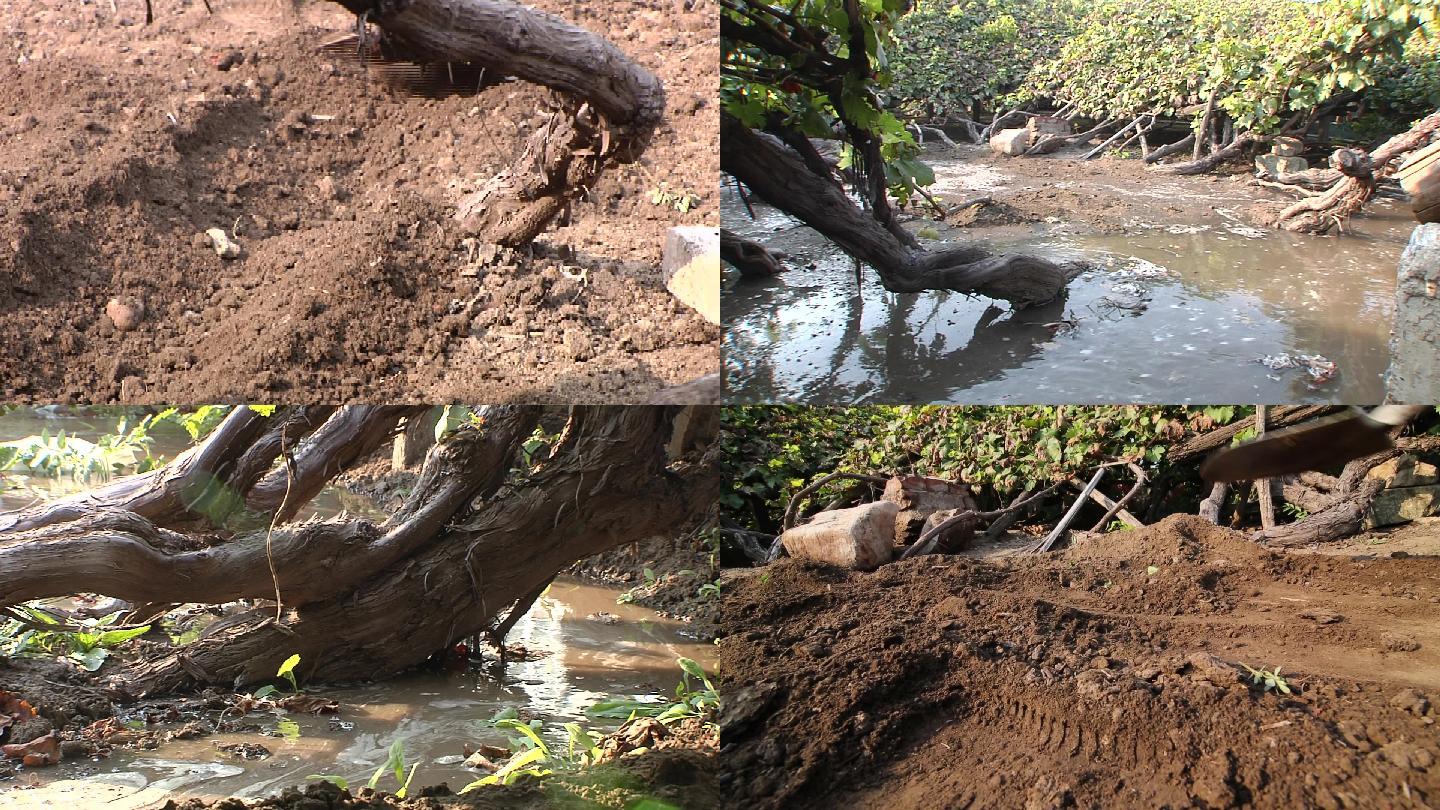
1207	667
326	187
690	263
132	388
1048	794
1351	731
229	60
1396	642
225	248
244	750
1407	755
1411	701
771	751
1320	615
125	314
189	731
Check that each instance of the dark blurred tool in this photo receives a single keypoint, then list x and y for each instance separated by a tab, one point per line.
1314	445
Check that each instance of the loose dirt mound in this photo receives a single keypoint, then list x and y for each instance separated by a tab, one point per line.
123	143
1103	676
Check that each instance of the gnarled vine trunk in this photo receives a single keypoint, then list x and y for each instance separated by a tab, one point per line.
609	110
779	175
356	598
1356	182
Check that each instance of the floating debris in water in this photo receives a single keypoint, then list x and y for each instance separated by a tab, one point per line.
1139	268
1317	366
1247	231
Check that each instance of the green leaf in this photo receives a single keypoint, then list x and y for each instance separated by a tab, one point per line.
288	667
91	659
113	638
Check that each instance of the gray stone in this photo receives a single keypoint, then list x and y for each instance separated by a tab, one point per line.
1287	147
1402	505
862	537
1010	141
691	264
1414	374
1279	164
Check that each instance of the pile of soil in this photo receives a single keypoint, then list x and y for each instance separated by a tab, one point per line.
125	142
1107	675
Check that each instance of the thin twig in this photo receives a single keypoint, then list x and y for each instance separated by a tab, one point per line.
788	521
275	519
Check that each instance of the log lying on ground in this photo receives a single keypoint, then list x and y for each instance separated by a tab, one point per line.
1050	143
1170	149
752	259
1210	161
360	600
778	175
608	114
1344	513
1321	212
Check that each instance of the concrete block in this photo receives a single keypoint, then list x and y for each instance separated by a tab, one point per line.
862	537
1010	141
918	498
1278	164
1287	147
1414	376
691	264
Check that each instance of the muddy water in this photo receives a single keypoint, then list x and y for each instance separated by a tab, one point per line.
581	647
582	660
1180	308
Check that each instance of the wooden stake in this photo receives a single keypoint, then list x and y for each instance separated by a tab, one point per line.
1264	486
1070	515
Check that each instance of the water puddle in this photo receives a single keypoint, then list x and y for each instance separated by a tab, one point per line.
1176	311
581	647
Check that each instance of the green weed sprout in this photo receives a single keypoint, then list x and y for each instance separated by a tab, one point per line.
286	671
1271	679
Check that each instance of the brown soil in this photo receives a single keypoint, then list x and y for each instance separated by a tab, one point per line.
125	142
1060	186
1081	678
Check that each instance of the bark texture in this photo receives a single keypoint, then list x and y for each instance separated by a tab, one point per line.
360	599
608	111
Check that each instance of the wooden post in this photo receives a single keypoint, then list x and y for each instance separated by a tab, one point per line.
1265	486
1210	507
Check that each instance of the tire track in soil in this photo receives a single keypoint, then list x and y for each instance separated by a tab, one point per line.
1078	679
